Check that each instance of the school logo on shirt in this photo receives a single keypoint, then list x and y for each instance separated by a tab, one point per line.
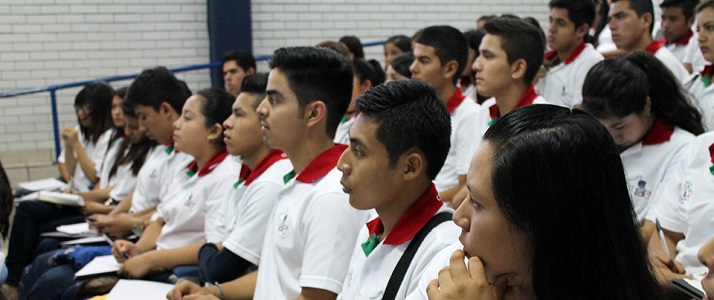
641	190
283	227
189	202
153	174
685	196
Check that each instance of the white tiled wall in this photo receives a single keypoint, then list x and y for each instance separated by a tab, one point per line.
44	42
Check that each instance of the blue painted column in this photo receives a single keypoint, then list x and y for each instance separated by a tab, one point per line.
229	28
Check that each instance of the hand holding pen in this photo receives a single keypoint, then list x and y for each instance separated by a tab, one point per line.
124	250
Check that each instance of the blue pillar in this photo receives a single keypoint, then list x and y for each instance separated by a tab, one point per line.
229	28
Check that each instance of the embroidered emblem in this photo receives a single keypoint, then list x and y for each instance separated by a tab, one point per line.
711	158
189	202
283	227
685	196
641	191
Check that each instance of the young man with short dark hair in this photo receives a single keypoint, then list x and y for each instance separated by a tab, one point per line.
312	229
571	57
236	65
631	23
677	20
398	143
440	56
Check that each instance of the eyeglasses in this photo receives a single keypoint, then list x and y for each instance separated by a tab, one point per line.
83	108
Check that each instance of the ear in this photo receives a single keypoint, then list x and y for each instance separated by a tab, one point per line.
518	69
413	165
315	112
582	31
647	19
167	110
449	69
215	132
366	85
648	107
250	71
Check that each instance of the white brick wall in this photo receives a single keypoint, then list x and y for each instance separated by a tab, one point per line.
45	42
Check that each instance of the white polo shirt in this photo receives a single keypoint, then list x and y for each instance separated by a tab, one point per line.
703	93
490	113
685	202
693	55
657	49
109	158
241	221
190	207
342	135
648	162
156	175
679	48
463	111
311	232
438	262
369	274
96	153
563	84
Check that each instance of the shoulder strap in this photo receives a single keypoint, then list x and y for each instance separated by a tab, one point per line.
395	281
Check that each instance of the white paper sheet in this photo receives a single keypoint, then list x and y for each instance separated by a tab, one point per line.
139	289
46	184
99	265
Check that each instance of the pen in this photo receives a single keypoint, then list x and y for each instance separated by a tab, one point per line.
111	243
661	237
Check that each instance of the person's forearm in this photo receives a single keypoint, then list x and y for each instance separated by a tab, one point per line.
64	172
123	206
86	164
150	235
97	195
171	258
240	288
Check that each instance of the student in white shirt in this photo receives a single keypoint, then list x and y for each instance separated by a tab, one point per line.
312	229
648	115
80	164
631	22
188	211
509	60
677	20
156	97
389	167
527	242
571	57
368	74
685	211
440	56
700	85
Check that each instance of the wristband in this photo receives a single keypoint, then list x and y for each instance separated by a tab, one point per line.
220	288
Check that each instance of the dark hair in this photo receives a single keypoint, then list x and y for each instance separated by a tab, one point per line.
243	59
317	74
473	39
641	7
687	6
155	86
216	107
486	18
579	11
620	86
338	47
520	40
536	25
402	42
369	70
602	23
410	116
577	185
449	44
121	92
401	63
97	97
134	153
6	202
704	5
354	44
255	84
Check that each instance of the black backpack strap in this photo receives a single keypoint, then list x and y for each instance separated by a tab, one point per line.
395	281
